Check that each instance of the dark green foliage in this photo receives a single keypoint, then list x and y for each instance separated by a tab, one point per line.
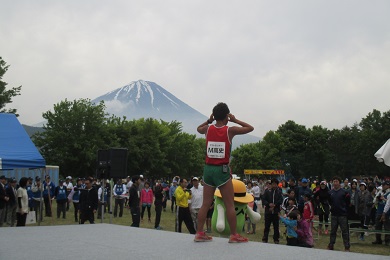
76	130
6	95
318	151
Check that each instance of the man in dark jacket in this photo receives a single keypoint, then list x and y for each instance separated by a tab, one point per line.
12	203
88	203
134	200
272	200
3	199
158	204
339	202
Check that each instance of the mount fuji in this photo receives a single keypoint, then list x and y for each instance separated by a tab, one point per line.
144	99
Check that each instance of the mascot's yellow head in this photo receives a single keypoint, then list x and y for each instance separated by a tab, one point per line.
240	194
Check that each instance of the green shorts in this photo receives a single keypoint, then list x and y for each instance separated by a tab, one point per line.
214	176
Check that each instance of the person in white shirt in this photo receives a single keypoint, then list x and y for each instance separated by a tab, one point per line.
256	195
22	201
129	183
196	200
69	187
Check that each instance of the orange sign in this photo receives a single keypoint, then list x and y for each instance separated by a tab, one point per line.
269	172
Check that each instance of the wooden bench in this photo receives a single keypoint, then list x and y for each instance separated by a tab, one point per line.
382	232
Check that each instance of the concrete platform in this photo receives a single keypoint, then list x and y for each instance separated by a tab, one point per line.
112	242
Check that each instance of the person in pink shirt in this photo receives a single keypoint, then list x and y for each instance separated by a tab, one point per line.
305	237
146	200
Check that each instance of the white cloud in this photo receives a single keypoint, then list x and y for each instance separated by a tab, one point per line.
314	62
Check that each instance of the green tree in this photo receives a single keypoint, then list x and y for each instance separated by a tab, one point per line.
6	95
294	138
74	132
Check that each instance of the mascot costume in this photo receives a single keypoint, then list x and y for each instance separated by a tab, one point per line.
241	199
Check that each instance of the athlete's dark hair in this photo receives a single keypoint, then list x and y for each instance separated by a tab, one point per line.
220	111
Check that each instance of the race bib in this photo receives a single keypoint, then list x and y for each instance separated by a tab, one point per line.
216	150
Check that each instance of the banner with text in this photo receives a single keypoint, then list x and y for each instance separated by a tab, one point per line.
269	172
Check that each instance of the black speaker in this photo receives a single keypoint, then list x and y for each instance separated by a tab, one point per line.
117	163
103	159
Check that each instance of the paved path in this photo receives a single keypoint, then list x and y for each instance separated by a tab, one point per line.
114	242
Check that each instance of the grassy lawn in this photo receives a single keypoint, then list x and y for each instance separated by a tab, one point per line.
168	224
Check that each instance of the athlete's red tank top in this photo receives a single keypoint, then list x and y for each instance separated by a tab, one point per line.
218	145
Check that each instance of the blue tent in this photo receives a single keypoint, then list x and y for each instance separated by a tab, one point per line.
16	148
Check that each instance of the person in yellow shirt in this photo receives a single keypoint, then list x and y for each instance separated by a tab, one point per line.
182	196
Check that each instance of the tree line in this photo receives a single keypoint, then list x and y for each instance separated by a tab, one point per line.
317	151
76	130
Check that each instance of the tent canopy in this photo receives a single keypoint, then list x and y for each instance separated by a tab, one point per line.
16	148
383	154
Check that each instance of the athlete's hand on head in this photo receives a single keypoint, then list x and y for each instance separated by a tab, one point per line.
232	118
211	118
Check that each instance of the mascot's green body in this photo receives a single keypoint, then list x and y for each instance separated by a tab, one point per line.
241	199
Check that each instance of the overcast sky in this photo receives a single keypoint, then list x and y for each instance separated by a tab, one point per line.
315	62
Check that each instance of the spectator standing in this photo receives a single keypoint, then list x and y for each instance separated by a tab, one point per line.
302	191
29	194
272	201
380	200
196	200
146	200
365	204
353	209
386	219
48	194
3	200
339	200
322	197
159	195
119	194
22	196
172	197
37	189
61	198
134	201
69	187
104	198
182	196
88	202
166	195
74	196
12	205
256	194
129	183
292	186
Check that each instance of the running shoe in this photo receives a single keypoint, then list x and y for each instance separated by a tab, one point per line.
202	237
237	239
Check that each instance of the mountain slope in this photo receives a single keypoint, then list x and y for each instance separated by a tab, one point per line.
147	99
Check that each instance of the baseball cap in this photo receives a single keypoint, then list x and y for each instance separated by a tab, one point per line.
37	178
195	179
323	182
13	180
362	183
304	180
2	177
141	176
